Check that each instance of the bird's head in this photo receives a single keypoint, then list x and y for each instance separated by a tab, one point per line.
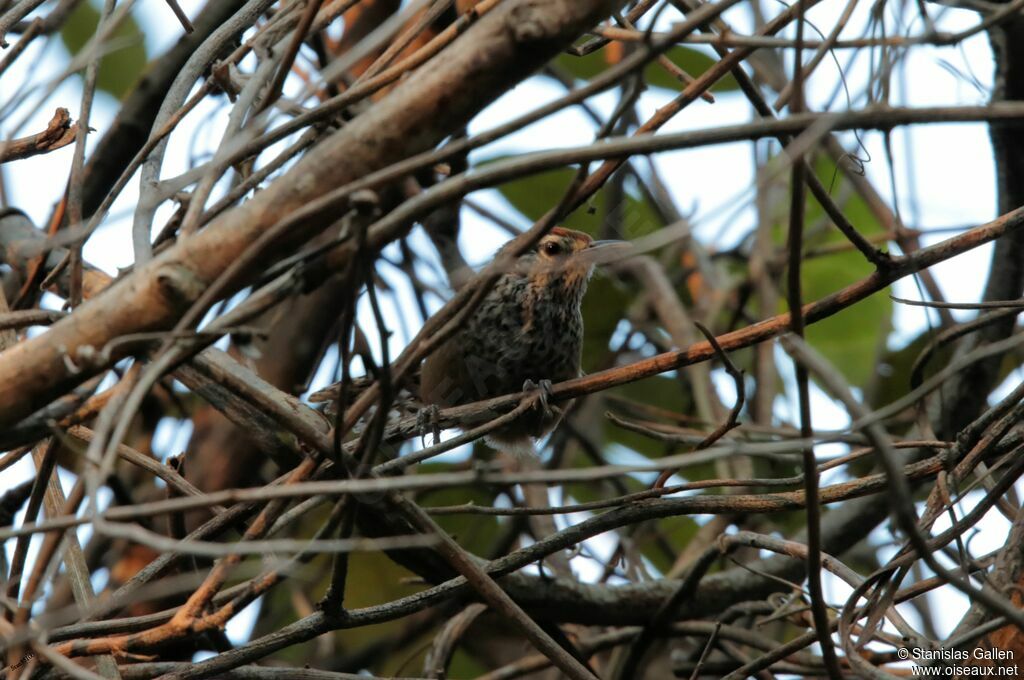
567	257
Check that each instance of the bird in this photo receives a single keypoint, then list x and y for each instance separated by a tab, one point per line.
526	334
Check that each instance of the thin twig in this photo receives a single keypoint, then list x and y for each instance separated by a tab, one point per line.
732	421
182	17
59	132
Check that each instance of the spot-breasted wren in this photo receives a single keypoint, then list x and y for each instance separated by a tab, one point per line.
527	332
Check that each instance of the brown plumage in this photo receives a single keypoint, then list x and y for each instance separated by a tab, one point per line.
528	330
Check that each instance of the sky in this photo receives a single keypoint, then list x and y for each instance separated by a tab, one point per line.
943	174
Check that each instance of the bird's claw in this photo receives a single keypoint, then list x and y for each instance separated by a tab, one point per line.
428	421
544	389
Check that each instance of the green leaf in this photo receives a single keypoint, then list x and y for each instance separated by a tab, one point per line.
895	371
690	60
373	578
693	62
677	532
533	196
669	393
587	492
464	665
475	533
853	338
604	306
584	68
896	367
125	56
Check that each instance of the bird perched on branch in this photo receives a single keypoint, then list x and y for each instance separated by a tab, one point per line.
526	334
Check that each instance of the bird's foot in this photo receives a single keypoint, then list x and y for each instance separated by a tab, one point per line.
428	421
544	389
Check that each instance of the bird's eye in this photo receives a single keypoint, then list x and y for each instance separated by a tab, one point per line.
552	248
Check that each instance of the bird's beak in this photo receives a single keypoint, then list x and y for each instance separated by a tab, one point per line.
603	252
